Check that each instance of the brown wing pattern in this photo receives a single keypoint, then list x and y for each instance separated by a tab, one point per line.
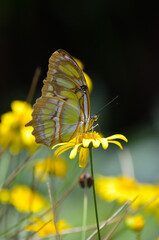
64	108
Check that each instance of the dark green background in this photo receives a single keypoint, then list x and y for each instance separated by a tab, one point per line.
116	40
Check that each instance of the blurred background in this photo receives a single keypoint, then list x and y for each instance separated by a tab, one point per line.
118	43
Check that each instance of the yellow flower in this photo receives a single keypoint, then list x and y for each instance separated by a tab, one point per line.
83	141
88	79
13	133
135	223
120	189
149	194
25	199
4	195
125	188
45	227
53	166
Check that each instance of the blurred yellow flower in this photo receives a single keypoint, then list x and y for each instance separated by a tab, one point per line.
4	195
125	188
135	223
120	189
50	165
24	199
82	142
88	79
13	133
45	227
149	193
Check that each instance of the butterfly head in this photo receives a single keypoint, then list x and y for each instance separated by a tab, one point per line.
93	119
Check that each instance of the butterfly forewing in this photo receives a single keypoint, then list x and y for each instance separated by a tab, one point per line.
61	62
64	108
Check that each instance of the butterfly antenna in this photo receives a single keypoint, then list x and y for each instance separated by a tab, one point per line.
107	105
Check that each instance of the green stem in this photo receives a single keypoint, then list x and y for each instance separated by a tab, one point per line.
85	204
138	237
94	194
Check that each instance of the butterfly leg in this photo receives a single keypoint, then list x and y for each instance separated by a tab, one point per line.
92	127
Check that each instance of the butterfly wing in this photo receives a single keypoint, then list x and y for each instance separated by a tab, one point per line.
64	108
63	71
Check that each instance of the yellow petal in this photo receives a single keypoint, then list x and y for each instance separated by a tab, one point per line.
62	149
117	143
89	82
80	64
86	142
96	143
73	153
117	136
56	145
83	157
104	143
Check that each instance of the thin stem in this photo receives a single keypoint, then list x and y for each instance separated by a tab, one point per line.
33	84
138	237
85	204
94	194
53	211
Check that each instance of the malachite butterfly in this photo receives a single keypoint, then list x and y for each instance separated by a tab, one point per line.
63	110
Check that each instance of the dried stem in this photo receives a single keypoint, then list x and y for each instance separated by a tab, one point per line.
33	84
53	211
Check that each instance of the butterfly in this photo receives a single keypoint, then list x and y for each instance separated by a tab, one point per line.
63	110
